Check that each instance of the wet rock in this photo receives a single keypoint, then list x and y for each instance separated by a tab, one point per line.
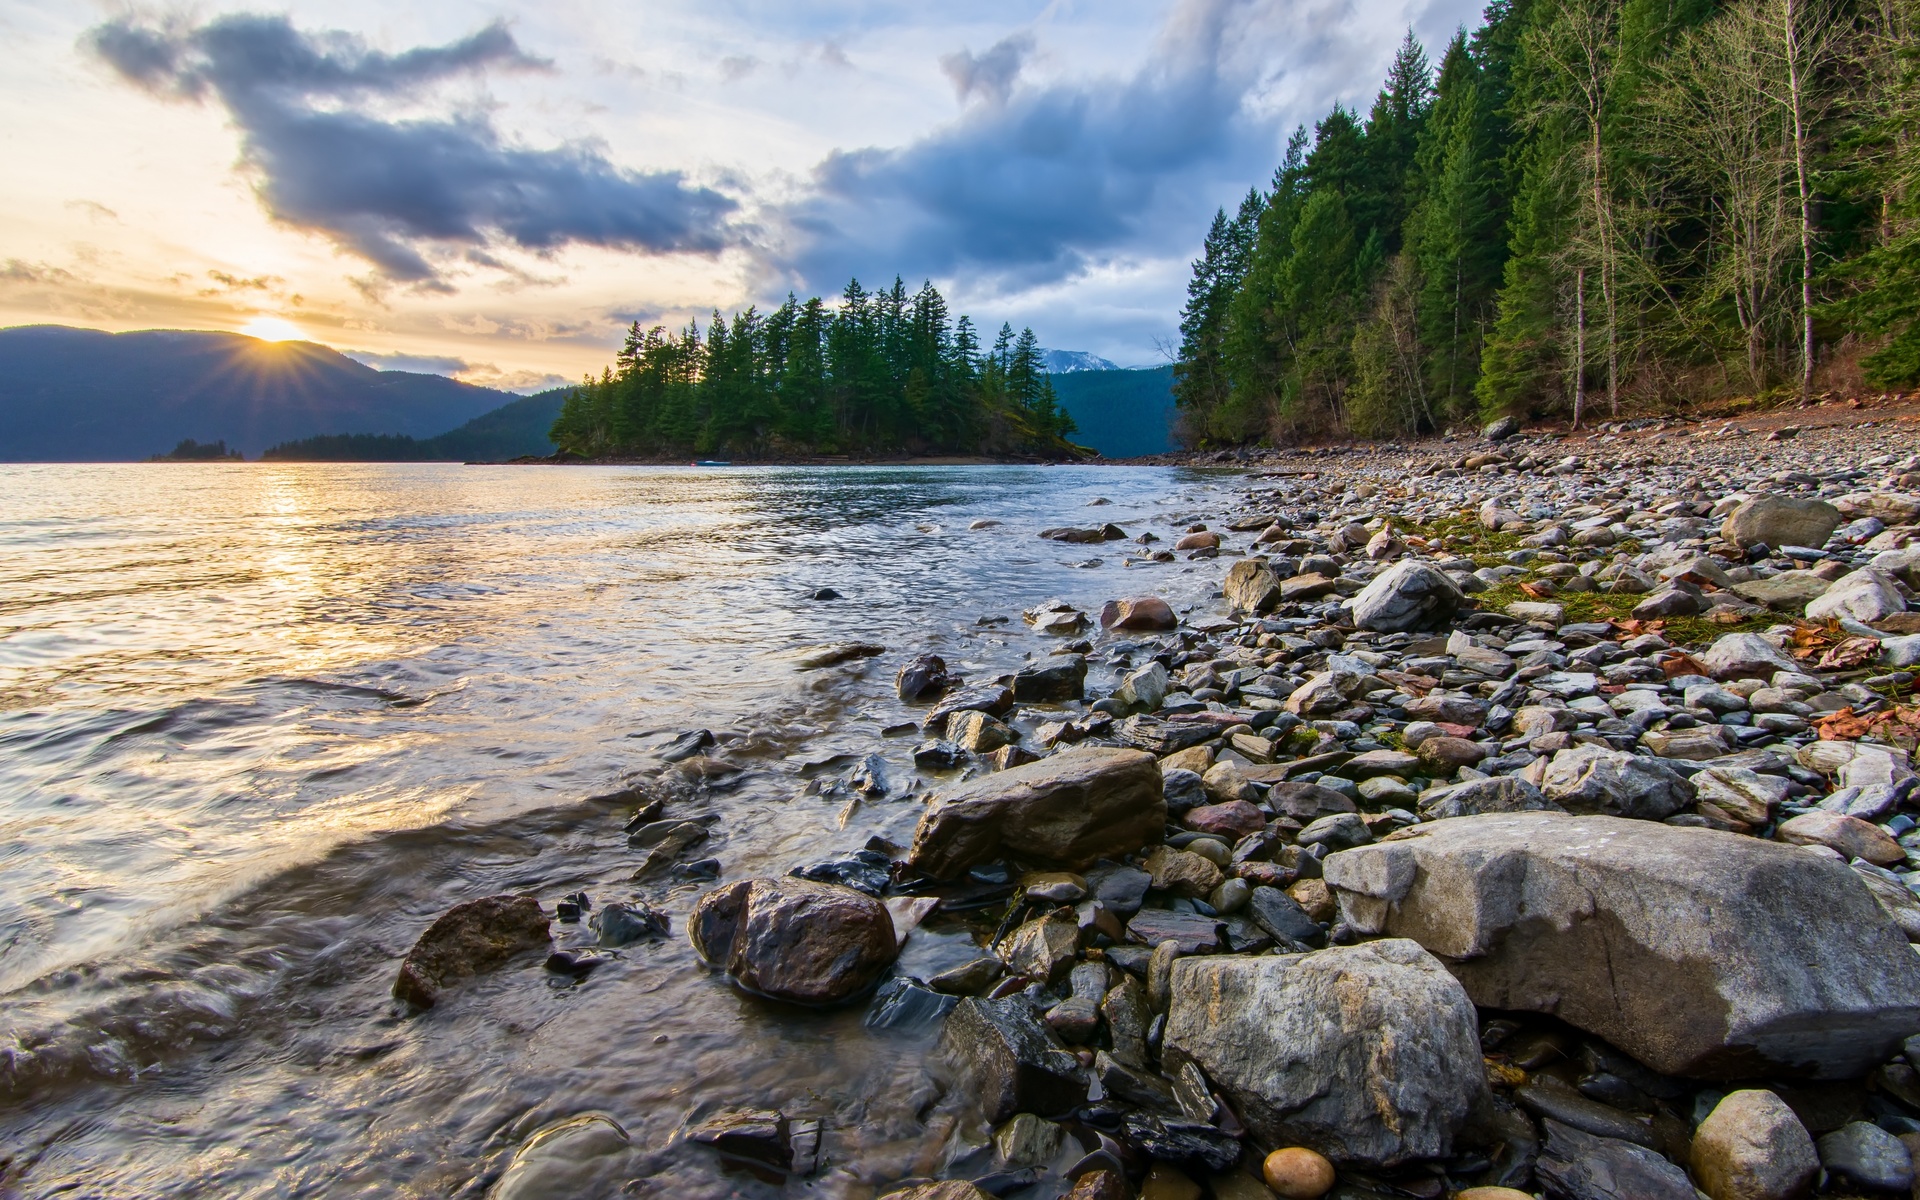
1579	1166
1367	1054
1057	679
576	962
621	924
1204	539
686	745
1105	533
1027	1141
1697	952
1192	1144
1868	1156
1593	779
1746	656
1043	948
1501	794
466	940
757	1135
1404	596
864	870
903	1006
1120	889
1251	586
992	699
577	1156
946	1189
924	678
1851	836
833	656
1866	595
794	939
938	755
1164	737
1064	811
1001	1055
1100	1185
1781	521
1752	1147
1142	613
978	733
969	979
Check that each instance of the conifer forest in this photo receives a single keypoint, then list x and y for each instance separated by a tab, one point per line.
1587	207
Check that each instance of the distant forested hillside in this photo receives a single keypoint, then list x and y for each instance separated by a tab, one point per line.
514	430
877	373
1590	203
71	395
1120	413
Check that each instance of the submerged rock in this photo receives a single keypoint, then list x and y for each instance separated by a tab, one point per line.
577	1156
468	939
1367	1054
1698	952
794	939
1064	811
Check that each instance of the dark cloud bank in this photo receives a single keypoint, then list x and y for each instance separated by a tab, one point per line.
383	189
1030	184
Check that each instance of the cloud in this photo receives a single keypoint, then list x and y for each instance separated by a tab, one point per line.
990	74
400	193
420	364
1036	183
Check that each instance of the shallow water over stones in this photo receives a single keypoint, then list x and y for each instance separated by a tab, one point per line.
262	724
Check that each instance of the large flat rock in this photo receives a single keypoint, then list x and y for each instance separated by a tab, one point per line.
1064	811
1700	953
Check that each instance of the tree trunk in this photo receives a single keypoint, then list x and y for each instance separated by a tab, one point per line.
1579	344
1796	97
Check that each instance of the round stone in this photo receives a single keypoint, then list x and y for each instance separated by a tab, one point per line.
1297	1173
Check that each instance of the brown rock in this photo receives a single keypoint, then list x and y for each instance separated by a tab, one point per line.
1445	755
1204	540
1315	897
1297	1173
467	939
946	1189
1064	811
1752	1147
1140	612
794	939
1851	836
1234	820
1100	1185
1182	872
1250	586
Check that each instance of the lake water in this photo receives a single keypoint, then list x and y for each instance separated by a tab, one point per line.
260	724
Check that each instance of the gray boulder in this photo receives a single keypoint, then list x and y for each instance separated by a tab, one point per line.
1869	1156
1501	794
1367	1054
1064	811
1865	595
1746	656
1781	521
1698	952
794	939
1593	779
1502	429
1403	596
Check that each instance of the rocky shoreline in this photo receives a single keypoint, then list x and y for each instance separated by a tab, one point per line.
1523	818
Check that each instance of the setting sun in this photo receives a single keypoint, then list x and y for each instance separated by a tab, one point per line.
274	329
